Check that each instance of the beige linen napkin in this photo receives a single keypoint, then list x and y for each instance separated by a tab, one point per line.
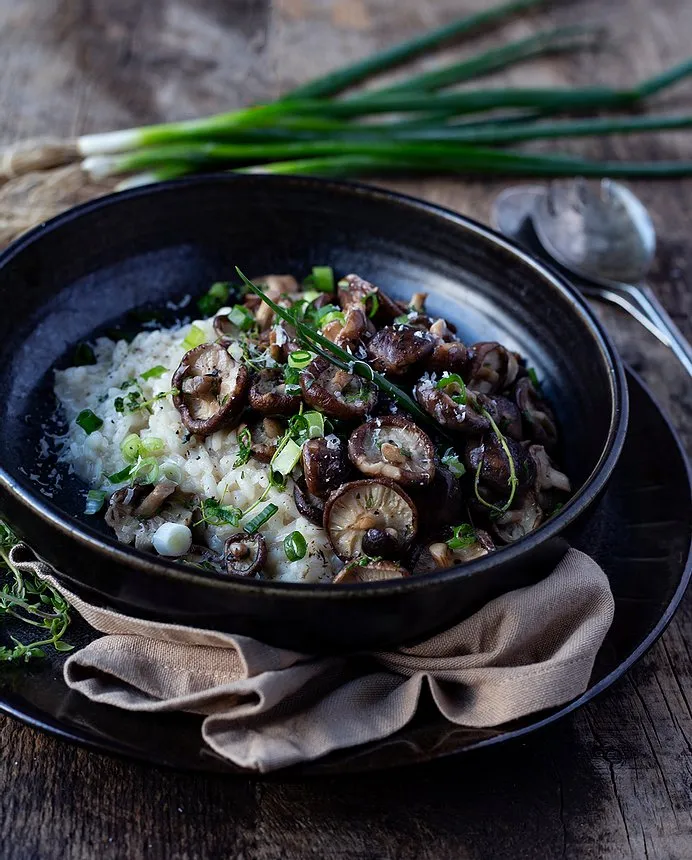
266	708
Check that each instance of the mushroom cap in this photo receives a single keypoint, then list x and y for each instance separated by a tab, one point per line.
452	357
335	392
495	469
538	418
517	522
212	388
311	507
358	506
504	412
373	571
396	349
393	447
244	554
439	503
492	367
356	291
325	465
268	394
458	417
264	437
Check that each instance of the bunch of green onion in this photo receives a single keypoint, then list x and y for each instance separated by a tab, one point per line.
427	126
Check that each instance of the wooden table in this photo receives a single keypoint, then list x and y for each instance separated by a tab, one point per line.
615	780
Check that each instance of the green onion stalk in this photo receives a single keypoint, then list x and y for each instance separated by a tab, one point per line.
434	147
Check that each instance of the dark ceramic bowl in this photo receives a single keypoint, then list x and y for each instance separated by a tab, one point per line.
92	267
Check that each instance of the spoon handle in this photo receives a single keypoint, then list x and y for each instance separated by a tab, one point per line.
626	303
652	308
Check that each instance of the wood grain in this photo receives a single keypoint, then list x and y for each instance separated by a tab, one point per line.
613	782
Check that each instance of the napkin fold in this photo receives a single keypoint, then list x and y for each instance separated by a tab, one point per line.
266	708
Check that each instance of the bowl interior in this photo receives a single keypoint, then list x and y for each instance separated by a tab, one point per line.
111	262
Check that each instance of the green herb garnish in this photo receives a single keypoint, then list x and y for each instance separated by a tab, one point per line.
464	535
295	546
94	501
216	514
214	299
30	600
244	448
154	372
88	421
451	460
453	385
513	481
261	518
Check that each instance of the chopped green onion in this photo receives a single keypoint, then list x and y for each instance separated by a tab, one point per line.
323	279
315	424
401	320
122	475
291	380
145	470
330	317
130	447
300	359
453	463
94	501
83	355
88	421
374	304
152	445
534	378
310	295
171	472
241	317
214	299
286	458
453	380
464	536
295	546
261	518
154	372
195	337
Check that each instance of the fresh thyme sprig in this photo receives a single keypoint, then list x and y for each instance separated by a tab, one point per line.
33	602
513	481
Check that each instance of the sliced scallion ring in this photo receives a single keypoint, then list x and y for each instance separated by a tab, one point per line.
300	359
295	546
171	472
286	458
257	522
94	501
145	470
130	447
151	446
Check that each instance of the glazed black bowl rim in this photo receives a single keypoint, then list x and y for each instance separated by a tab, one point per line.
167	569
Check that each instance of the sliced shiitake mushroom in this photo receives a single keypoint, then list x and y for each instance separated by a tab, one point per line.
264	437
268	394
492	367
244	554
440	404
548	476
452	357
393	447
325	465
504	412
275	286
358	506
354	290
311	507
439	504
356	329
539	421
517	522
335	392
224	329
397	349
370	571
212	388
151	504
495	473
439	556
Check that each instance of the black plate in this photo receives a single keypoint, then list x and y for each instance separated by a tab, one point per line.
91	267
641	537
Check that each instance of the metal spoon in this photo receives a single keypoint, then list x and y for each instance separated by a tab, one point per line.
602	233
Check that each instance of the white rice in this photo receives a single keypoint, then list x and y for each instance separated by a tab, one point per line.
206	465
